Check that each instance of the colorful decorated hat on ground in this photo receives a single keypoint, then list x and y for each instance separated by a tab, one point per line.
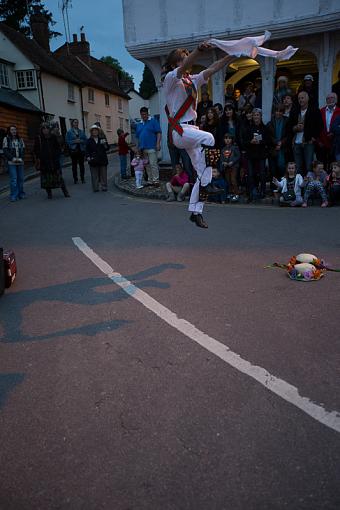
305	267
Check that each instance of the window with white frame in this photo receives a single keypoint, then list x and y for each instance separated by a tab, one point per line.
107	99
70	96
91	95
120	105
4	80
108	122
26	79
121	123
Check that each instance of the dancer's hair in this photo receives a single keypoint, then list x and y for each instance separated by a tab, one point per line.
173	57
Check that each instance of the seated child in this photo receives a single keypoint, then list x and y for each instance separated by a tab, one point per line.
230	159
218	181
178	185
333	183
290	186
316	182
139	163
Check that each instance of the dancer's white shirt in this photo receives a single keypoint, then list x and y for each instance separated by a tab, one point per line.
175	94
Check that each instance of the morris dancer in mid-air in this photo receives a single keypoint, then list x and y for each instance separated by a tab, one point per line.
180	89
181	100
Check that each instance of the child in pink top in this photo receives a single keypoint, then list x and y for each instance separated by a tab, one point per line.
178	185
139	164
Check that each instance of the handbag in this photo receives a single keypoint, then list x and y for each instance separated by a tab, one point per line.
288	197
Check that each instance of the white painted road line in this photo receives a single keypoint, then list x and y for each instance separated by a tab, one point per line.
278	386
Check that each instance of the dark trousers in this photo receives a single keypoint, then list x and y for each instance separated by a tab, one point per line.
178	155
256	169
77	158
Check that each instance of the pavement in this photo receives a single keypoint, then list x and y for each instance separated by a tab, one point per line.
147	364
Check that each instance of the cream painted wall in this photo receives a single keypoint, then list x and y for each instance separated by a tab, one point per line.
118	111
11	53
55	91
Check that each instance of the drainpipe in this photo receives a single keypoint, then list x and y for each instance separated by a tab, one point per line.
82	107
41	91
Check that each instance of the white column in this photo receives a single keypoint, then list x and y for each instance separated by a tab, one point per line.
217	80
268	69
155	65
164	124
326	58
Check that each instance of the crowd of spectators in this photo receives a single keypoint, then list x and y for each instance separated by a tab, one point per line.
294	157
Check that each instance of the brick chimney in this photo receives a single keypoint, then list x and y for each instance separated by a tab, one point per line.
40	31
80	48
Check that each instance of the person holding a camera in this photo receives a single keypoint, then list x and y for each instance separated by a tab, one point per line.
14	151
96	149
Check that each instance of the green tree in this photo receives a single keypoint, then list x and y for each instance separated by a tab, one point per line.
15	13
147	86
115	64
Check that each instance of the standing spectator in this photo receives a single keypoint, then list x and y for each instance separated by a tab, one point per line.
245	121
230	159
14	151
258	93
55	130
237	95
281	90
329	113
287	102
256	150
277	140
335	130
123	150
228	124
149	136
229	94
96	149
305	125
316	182
336	89
203	105
178	185
248	97
219	109
47	152
76	141
212	122
309	87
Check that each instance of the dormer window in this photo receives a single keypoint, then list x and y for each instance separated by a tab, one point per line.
4	80
26	79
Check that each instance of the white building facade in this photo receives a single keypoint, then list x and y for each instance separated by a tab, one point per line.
310	25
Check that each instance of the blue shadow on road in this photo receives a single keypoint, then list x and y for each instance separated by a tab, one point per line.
80	292
7	383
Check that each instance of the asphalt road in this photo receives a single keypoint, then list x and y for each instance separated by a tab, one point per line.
107	404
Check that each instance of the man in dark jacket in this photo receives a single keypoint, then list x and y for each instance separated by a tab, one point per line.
96	148
304	127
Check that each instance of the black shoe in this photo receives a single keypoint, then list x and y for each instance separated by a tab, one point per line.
200	221
211	189
66	194
192	217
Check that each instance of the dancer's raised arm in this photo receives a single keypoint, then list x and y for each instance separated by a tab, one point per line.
190	59
216	66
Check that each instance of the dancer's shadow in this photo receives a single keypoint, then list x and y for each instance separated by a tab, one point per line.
80	292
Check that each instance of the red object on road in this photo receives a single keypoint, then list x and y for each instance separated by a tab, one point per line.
10	267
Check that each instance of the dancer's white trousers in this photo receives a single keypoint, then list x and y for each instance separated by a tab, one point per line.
192	140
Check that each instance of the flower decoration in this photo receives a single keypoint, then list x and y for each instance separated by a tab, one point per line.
305	267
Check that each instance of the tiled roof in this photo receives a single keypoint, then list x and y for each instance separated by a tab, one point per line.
15	100
45	60
92	72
